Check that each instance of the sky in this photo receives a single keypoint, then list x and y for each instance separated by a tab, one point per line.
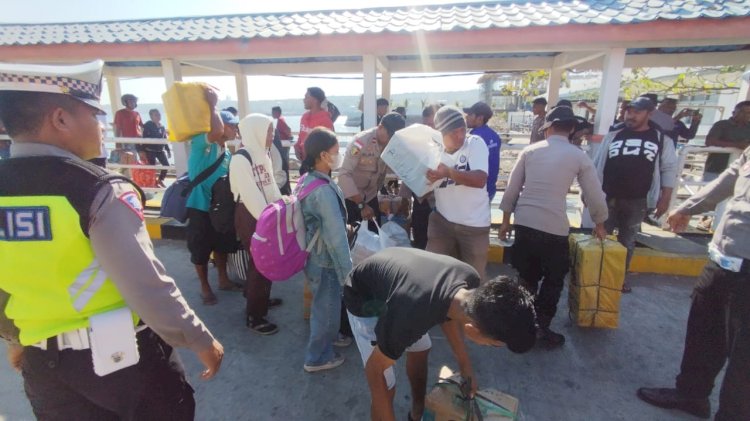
149	90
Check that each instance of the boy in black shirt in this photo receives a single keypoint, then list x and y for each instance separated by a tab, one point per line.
396	296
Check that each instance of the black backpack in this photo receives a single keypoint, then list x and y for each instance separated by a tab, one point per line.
221	212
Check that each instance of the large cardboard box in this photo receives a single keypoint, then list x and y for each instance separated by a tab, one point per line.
446	402
187	110
596	278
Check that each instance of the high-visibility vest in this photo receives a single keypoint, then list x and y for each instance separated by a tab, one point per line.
51	281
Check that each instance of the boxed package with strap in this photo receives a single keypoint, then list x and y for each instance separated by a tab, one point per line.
187	110
411	152
447	401
596	278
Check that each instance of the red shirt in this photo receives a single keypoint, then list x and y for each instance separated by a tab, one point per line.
308	122
129	123
285	132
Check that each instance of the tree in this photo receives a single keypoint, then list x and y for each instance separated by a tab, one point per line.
691	81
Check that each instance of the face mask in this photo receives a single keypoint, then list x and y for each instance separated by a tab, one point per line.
336	161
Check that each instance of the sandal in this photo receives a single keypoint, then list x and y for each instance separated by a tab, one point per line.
233	287
626	289
274	302
209	300
262	327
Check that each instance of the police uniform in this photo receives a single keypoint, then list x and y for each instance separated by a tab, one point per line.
363	173
76	254
718	327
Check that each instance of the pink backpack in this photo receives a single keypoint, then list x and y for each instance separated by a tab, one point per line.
278	245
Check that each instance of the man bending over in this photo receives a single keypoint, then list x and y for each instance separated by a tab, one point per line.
396	296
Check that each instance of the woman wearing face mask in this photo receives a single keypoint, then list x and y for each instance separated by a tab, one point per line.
329	261
362	173
254	187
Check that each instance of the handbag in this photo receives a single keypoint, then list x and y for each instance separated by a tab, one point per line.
174	202
238	262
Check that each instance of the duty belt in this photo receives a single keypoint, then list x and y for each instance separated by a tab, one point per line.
75	339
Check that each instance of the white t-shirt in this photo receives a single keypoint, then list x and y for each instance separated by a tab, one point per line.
462	204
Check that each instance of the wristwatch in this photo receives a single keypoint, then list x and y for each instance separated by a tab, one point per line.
361	205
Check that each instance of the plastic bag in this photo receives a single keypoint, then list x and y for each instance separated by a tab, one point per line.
397	236
411	152
368	243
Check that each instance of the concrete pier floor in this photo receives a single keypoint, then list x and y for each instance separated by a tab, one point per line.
594	376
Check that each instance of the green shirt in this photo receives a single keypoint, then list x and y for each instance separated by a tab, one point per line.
728	131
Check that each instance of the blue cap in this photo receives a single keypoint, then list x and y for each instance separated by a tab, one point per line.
229	118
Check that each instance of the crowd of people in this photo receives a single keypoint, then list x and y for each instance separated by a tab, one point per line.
61	330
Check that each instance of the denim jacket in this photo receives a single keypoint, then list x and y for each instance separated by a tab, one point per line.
324	211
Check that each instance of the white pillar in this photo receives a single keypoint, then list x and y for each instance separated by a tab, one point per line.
614	62
173	73
553	86
369	112
744	93
243	98
113	88
385	86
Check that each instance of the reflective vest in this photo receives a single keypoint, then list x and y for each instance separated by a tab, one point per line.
51	281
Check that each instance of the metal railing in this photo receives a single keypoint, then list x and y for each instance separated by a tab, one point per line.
690	176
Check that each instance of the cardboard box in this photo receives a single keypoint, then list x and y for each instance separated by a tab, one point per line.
445	402
596	278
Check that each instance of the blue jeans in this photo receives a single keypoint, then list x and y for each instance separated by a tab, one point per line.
325	315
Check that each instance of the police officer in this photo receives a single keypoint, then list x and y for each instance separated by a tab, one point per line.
362	173
85	306
718	326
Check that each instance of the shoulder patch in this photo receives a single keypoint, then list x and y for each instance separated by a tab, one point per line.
356	147
132	201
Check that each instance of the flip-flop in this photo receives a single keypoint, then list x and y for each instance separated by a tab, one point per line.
209	300
233	287
627	289
275	302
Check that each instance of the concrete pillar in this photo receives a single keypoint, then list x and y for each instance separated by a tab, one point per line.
553	86
113	88
385	86
744	93
173	73
243	98
606	108
369	112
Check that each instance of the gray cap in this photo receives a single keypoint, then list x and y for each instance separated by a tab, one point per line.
449	118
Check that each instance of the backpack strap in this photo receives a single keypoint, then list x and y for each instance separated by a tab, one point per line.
203	175
305	191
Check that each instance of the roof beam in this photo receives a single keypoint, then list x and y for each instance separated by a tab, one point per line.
472	65
219	66
382	63
569	60
727	58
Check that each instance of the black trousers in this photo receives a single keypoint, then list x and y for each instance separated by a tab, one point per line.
62	385
152	156
354	215
540	256
420	218
719	329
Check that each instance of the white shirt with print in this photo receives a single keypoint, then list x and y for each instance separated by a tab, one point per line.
462	204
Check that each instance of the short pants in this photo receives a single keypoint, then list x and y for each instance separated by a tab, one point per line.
202	238
364	333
